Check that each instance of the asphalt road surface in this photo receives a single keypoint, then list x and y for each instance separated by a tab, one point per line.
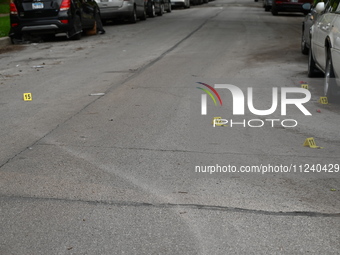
125	172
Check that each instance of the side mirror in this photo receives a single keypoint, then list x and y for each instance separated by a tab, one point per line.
320	7
307	6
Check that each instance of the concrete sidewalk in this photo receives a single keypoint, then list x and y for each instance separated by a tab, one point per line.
4	41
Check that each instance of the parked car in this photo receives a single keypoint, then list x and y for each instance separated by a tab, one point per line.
267	5
197	2
306	26
289	6
48	17
324	52
130	10
157	7
181	3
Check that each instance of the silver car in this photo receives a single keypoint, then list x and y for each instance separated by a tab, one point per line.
182	3
324	52
122	9
309	20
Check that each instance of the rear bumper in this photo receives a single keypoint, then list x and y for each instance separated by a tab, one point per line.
31	26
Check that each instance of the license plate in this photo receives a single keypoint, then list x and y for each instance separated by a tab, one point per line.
38	5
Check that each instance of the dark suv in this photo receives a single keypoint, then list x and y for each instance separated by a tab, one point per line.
289	6
49	17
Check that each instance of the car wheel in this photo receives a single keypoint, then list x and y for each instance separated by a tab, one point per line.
133	18
267	8
313	71
274	11
304	48
169	7
330	88
16	39
161	9
143	17
151	9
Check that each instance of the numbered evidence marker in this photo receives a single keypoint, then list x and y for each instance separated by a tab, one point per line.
323	100
310	142
217	121
27	96
304	85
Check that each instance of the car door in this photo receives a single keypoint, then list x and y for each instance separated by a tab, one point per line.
322	28
335	50
87	10
141	5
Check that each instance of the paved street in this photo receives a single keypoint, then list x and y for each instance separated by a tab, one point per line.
124	172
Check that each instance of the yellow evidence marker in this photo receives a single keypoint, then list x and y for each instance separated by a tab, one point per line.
323	100
304	86
27	96
310	142
217	121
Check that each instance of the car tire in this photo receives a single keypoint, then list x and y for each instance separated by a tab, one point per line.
267	8
313	71
143	17
151	10
330	87
169	7
161	9
16	39
304	48
274	11
133	18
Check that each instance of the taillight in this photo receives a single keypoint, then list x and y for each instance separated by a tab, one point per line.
65	5
64	21
13	9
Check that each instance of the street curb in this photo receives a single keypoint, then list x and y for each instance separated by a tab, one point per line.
4	41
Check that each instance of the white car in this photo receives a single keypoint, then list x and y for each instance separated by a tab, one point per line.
324	53
182	3
122	9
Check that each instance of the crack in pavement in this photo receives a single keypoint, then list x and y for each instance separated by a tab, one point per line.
181	206
184	151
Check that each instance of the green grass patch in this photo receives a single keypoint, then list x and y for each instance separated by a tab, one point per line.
4	26
4	8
